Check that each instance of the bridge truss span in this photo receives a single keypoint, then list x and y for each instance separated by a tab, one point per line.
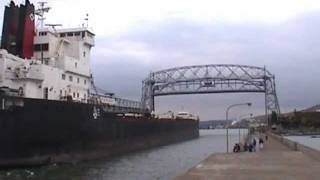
214	78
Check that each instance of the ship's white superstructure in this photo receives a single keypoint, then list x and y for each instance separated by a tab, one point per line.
186	115
57	66
60	67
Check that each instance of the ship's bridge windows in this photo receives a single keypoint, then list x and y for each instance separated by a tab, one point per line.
83	34
77	33
69	34
41	47
42	33
85	82
75	65
63	35
78	80
63	76
70	78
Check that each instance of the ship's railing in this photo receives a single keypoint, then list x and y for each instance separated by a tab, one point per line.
128	103
124	110
119	105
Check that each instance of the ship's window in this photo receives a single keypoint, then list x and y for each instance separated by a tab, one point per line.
74	94
63	76
42	33
84	54
63	35
60	92
78	80
45	93
77	33
83	34
75	65
43	47
69	34
85	81
77	94
70	78
37	47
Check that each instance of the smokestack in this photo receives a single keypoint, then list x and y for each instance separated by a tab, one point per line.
10	28
18	29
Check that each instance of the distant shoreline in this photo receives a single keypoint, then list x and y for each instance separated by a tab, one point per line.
299	133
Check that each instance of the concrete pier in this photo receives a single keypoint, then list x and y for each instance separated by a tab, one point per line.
275	161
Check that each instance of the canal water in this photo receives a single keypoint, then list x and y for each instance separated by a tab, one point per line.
160	163
310	141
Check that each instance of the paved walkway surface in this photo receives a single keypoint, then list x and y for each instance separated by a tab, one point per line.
273	162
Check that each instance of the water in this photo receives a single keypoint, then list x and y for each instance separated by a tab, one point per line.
160	163
306	140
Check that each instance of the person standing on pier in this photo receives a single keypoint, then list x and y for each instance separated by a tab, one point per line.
260	143
254	143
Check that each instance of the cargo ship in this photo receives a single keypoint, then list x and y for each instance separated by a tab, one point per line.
50	108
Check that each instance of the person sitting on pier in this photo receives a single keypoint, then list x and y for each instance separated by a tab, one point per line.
250	147
236	148
245	147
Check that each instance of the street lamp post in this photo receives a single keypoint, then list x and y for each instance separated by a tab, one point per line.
239	119
231	106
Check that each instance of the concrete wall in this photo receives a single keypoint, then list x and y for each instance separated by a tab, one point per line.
313	153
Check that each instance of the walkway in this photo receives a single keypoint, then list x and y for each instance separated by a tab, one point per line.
274	162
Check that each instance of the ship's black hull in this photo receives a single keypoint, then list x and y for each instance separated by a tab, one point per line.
35	132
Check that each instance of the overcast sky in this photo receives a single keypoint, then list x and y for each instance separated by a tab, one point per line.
136	37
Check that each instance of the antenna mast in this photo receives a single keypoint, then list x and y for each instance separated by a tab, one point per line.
87	19
40	12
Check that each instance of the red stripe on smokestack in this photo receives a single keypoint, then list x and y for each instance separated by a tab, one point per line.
29	31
